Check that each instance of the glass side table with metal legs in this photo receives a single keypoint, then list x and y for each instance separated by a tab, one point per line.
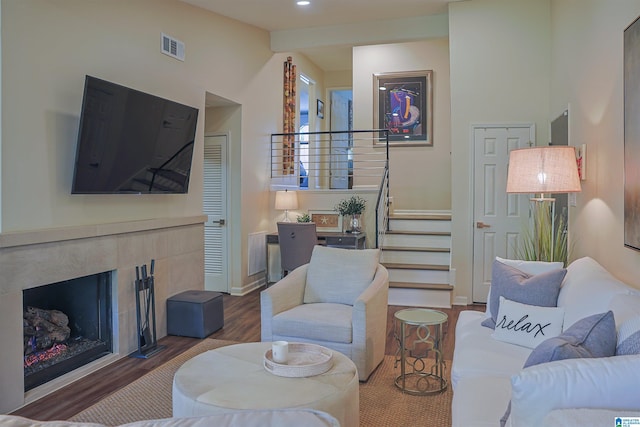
419	335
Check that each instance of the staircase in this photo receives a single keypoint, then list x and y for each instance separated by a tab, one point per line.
417	252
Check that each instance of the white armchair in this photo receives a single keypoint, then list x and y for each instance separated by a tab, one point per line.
339	300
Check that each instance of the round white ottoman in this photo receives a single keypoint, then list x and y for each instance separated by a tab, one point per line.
233	378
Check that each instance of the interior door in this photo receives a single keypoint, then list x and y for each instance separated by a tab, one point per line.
498	217
214	203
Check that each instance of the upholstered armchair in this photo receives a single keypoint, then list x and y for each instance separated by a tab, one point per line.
338	300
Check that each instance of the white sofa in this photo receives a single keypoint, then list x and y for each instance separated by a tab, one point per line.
487	374
263	418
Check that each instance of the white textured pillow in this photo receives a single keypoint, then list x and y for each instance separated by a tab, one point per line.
529	267
339	275
625	307
527	325
629	337
601	382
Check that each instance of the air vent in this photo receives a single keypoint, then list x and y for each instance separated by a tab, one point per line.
172	47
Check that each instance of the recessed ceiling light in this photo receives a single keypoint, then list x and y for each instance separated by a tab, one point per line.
303	3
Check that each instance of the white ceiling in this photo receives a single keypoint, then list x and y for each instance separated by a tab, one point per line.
284	15
277	15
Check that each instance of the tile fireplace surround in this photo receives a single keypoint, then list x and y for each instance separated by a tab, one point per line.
39	257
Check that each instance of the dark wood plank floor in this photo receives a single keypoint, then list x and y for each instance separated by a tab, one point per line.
242	323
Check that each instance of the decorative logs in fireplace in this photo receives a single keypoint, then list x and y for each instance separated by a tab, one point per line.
44	328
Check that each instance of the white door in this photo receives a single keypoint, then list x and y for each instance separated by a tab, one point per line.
214	203
498	217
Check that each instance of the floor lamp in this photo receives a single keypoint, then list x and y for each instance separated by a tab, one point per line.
544	171
285	201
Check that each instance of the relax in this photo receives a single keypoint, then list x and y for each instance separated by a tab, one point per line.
526	327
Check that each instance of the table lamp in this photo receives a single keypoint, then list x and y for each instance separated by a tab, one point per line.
285	201
543	170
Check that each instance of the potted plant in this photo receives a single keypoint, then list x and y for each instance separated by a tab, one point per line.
542	241
304	218
353	207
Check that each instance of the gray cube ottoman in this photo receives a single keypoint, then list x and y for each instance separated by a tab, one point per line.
195	314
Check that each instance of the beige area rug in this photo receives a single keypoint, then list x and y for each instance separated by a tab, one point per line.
381	403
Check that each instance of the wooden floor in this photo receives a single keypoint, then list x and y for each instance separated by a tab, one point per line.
242	323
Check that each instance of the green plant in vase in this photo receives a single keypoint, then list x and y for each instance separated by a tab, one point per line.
353	207
304	218
541	242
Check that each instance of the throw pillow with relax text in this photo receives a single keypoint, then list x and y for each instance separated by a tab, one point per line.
515	285
527	325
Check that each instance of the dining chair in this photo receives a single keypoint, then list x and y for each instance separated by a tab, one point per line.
296	240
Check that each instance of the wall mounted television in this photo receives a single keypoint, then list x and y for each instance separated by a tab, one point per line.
132	142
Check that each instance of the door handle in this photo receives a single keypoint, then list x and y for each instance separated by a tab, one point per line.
221	222
481	224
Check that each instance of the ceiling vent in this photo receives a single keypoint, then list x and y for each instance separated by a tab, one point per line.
172	47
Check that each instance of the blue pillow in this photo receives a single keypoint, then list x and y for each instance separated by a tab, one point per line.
593	336
515	285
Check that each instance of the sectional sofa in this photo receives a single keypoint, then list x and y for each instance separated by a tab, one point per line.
586	372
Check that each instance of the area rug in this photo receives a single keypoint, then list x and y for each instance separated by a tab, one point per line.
381	403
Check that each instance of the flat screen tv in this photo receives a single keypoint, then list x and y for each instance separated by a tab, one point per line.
132	142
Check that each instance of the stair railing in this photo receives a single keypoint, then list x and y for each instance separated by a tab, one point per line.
382	209
335	160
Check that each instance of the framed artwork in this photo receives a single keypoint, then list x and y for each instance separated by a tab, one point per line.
320	108
326	220
632	135
403	104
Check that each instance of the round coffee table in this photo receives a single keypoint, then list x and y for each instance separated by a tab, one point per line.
233	378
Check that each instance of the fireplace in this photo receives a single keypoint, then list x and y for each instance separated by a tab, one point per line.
65	326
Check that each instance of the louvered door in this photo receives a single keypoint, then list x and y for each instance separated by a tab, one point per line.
214	205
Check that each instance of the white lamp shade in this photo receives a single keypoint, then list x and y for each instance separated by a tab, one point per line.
286	200
543	170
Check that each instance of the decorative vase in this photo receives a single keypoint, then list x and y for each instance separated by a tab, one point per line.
355	225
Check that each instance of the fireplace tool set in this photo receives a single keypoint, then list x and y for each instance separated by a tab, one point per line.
146	313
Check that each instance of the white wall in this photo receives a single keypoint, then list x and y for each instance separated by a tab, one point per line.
47	49
419	177
500	62
587	75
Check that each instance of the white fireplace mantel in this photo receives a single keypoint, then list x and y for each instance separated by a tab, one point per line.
38	257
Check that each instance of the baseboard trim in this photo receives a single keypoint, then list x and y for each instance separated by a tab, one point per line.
250	287
459	300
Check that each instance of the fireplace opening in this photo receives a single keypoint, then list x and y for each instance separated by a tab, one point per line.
65	326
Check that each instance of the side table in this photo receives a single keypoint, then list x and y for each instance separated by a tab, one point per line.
427	374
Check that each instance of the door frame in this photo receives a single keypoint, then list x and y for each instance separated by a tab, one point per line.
472	197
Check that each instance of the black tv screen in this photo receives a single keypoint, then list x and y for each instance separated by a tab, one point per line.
132	142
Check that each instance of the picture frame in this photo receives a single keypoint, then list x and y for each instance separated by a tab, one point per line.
326	220
320	108
403	104
631	81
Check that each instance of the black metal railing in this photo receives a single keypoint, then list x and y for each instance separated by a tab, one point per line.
335	160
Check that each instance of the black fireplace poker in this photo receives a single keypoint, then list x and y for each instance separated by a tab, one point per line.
146	313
